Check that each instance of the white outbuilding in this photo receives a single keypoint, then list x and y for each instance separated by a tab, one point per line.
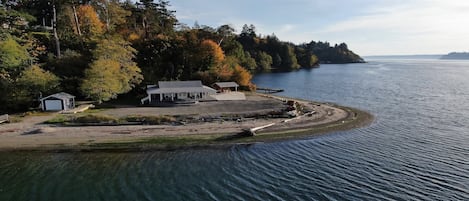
58	102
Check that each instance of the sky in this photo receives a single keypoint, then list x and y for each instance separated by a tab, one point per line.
369	27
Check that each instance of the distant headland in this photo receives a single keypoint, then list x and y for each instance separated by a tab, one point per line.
456	56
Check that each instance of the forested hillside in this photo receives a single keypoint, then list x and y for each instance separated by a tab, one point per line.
98	49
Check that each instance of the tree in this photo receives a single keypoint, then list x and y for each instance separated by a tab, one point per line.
211	53
111	13
36	80
248	62
264	61
120	51
13	56
90	25
289	61
249	31
70	68
112	72
277	60
100	83
13	22
242	77
225	31
154	19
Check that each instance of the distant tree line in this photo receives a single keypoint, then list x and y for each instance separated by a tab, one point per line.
98	49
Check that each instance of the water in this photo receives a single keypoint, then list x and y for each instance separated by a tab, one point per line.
416	149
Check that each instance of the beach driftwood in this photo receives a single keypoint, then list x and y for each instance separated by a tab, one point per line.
268	90
4	118
252	131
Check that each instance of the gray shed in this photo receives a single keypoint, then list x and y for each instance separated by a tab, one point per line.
58	102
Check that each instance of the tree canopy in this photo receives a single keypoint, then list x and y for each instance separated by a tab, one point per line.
100	49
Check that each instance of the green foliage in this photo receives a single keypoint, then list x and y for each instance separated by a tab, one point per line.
111	12
12	55
337	54
289	61
264	61
13	22
100	83
35	79
248	62
112	73
120	51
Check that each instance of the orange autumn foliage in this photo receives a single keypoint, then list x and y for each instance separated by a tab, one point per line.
213	50
90	24
242	76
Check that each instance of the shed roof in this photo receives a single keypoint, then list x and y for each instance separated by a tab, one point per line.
61	95
226	84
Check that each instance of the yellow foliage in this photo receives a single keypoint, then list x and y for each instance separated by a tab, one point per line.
38	79
223	72
100	81
212	50
133	37
90	24
242	76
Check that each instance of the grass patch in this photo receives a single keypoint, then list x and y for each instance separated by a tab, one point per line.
150	120
94	111
59	119
95	118
83	119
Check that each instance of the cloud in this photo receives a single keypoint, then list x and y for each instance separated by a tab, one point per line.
424	26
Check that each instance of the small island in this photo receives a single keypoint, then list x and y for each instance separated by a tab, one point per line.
456	56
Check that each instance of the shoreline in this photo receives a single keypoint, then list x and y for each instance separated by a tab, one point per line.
329	118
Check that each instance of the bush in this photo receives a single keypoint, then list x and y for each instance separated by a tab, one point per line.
95	118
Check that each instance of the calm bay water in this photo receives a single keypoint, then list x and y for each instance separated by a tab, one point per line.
416	149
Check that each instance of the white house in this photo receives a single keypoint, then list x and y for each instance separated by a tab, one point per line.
58	102
177	91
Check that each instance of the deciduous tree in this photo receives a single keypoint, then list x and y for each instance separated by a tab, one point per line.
112	72
90	25
36	80
100	83
13	56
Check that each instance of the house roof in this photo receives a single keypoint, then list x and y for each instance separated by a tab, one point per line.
226	84
179	84
61	95
180	87
203	89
